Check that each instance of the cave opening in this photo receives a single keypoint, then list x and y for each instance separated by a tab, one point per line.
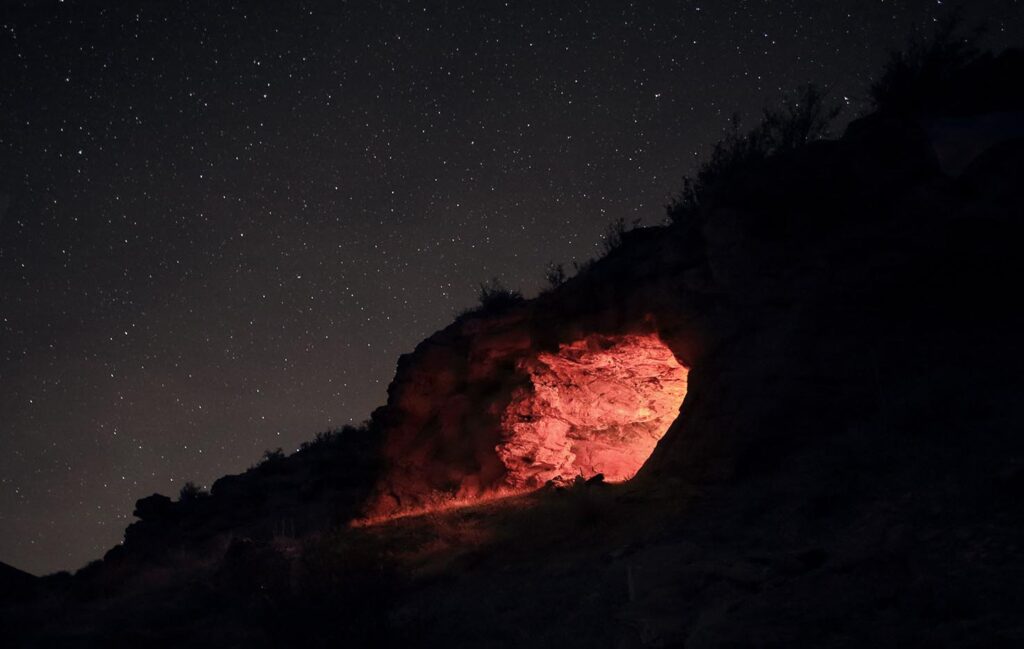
598	405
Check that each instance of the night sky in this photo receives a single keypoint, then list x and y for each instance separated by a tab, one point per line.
221	223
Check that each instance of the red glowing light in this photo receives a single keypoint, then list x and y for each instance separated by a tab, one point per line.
599	405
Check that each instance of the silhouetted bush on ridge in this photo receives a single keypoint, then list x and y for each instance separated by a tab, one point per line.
190	492
803	120
333	437
918	78
555	275
494	297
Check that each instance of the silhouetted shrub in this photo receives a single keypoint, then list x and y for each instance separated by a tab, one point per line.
495	297
190	492
155	507
613	234
334	438
271	458
555	275
322	439
919	78
798	122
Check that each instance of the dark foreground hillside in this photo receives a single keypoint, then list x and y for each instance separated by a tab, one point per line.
845	471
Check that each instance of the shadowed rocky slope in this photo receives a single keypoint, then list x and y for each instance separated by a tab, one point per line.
844	471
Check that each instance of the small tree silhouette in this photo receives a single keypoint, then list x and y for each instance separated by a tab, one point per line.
190	492
803	120
555	275
613	234
919	76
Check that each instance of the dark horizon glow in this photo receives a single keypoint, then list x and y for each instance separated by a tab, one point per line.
221	224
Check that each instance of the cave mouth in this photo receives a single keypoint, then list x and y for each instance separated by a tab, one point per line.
598	405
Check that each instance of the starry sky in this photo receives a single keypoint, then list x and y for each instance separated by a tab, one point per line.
222	222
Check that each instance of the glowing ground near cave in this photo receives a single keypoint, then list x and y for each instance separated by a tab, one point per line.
598	405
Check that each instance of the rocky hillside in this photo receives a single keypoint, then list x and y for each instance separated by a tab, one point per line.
843	319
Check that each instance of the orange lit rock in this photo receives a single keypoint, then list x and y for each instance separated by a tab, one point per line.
597	406
485	410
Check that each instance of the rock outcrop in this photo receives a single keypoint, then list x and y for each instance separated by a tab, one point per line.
790	299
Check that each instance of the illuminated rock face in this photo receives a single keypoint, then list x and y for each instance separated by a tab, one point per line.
599	405
489	407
